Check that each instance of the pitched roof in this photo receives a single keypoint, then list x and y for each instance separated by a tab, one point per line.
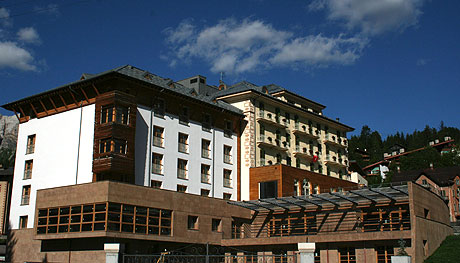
142	75
442	176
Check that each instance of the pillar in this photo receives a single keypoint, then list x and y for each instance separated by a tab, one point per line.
112	252
307	252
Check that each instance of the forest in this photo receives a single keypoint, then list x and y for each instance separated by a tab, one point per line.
372	142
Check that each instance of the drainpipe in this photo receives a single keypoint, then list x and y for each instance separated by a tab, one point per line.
213	159
79	141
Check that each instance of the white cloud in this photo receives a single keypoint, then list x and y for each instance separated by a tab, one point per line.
422	62
50	9
372	17
14	56
236	47
28	35
4	17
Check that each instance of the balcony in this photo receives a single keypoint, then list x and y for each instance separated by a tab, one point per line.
30	149
205	178
333	160
25	200
305	152
158	141
335	140
305	131
27	174
227	159
272	143
205	153
227	182
157	169
181	173
183	147
272	119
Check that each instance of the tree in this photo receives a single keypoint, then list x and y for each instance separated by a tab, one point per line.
7	158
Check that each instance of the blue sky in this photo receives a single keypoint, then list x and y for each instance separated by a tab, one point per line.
393	65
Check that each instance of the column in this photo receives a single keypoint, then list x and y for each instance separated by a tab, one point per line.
307	252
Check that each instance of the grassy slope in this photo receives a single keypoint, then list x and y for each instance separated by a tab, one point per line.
448	252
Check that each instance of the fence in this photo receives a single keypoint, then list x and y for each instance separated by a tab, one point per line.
209	258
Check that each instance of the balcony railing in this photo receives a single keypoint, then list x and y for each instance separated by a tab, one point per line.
27	174
157	169
181	173
227	158
227	182
158	141
205	153
205	178
25	200
183	147
30	149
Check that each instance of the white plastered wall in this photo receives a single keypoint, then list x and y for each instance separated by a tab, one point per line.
55	156
170	123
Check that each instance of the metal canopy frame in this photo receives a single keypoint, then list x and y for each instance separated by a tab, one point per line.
274	202
290	202
303	198
363	196
241	204
345	197
400	190
258	204
326	199
382	193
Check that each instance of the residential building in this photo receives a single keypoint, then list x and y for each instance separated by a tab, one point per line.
126	125
443	181
285	128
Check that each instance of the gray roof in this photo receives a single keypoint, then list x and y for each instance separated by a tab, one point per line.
145	76
248	86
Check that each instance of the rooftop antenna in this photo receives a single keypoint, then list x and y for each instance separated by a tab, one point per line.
222	75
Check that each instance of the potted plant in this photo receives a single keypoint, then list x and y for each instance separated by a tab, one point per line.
401	255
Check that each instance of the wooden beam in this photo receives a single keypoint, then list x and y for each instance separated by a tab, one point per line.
44	108
95	89
22	111
54	105
33	108
73	97
15	113
63	101
84	94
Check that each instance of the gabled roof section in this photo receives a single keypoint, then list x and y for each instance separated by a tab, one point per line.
137	74
442	176
275	89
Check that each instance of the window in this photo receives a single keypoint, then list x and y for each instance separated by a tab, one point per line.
30	144
297	162
183	117
206	123
25	195
181	188
205	148
23	222
181	169
305	187
227	154
262	157
158	136
315	189
192	222
216	225
268	189
278	158
228	129
156	184
112	146
195	80
426	213
347	255
28	169
205	173
227	178
424	182
117	114
288	161
183	142
157	163
159	108
384	254
205	192
227	196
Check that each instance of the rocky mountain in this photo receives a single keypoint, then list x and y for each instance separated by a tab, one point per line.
8	131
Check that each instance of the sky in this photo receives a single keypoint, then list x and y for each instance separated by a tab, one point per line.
393	65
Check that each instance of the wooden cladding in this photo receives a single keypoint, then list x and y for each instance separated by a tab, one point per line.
114	135
302	222
105	216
